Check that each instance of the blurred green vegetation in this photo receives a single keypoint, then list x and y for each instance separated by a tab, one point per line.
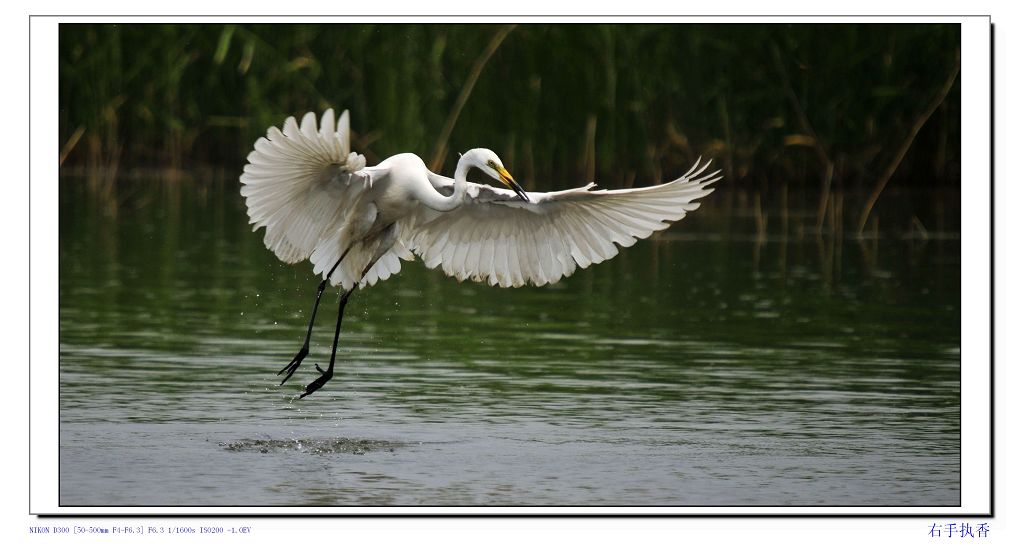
789	111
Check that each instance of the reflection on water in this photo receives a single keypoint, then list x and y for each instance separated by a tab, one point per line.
701	368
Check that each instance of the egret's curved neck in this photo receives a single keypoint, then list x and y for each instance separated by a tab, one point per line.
441	203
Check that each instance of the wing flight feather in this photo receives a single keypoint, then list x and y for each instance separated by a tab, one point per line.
497	238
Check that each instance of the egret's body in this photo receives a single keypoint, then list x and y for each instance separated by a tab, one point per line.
318	201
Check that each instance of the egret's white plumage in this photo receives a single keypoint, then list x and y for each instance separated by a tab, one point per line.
316	198
551	235
318	201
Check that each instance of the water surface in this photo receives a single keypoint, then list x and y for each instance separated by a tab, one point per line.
706	367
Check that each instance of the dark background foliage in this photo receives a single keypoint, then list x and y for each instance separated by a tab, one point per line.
796	115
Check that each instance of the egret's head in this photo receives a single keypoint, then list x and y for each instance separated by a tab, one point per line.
488	162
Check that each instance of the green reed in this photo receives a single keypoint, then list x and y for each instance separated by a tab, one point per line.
789	111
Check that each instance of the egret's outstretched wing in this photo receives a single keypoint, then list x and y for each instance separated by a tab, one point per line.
297	182
496	237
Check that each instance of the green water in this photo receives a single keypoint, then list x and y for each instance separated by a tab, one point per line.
704	367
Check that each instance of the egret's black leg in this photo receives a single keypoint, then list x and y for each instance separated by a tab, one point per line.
301	354
327	374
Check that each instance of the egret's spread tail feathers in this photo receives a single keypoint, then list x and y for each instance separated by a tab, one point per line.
383	254
299	182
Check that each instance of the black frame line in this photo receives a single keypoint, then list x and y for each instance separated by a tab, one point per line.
584	19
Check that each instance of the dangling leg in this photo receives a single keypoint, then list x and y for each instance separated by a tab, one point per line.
386	241
296	361
327	374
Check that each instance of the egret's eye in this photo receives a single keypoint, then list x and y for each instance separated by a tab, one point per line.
492	164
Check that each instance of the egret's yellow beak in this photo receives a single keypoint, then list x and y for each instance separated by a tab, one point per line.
505	178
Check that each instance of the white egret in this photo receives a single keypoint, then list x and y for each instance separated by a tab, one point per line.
318	201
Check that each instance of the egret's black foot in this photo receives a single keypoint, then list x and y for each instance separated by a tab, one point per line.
318	383
293	366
